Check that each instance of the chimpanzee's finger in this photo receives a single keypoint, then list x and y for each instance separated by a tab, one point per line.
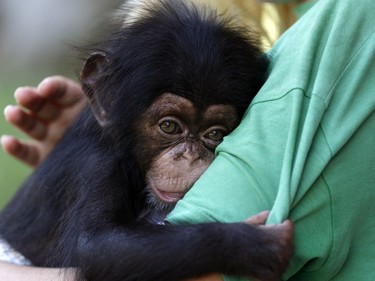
61	90
258	219
37	105
25	122
23	151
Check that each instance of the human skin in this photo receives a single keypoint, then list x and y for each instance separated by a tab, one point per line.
12	272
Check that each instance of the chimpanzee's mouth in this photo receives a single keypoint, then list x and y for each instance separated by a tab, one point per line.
167	196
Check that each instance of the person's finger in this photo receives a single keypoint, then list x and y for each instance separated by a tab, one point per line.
25	122
30	99
23	151
61	90
258	219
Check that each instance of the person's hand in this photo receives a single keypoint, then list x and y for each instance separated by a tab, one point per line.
43	113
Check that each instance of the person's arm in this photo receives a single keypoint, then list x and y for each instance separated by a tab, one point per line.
11	272
43	113
210	277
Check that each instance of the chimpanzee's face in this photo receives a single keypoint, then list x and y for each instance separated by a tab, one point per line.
176	143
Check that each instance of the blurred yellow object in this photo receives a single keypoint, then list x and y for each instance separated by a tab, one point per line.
269	20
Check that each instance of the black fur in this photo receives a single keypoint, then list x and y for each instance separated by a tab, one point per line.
80	208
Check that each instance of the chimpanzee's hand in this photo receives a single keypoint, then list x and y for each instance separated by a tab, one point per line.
43	113
281	242
258	219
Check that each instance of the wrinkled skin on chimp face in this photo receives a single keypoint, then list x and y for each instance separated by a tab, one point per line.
176	144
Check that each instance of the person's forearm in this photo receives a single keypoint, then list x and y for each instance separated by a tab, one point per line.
209	277
11	272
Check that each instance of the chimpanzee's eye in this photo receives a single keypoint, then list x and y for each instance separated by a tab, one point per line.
216	135
170	127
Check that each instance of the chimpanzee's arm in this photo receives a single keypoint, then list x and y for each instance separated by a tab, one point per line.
169	252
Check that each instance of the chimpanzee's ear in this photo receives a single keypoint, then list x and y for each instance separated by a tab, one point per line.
91	71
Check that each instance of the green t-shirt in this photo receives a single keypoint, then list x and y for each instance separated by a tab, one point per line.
302	8
306	147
